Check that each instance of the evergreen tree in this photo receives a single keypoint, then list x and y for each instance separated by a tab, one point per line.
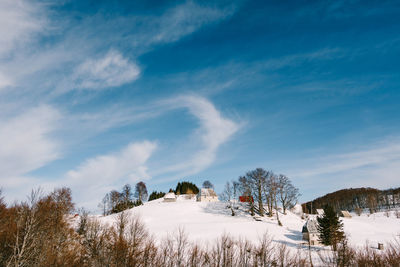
186	188
330	228
156	195
208	184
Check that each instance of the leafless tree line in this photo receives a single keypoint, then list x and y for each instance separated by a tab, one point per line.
358	200
266	189
38	232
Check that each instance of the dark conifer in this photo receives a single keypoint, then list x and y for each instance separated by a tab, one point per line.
330	228
156	195
185	187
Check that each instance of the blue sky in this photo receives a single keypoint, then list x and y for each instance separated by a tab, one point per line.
96	94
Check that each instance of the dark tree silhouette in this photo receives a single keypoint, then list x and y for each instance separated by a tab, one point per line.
330	228
207	184
141	191
156	195
186	188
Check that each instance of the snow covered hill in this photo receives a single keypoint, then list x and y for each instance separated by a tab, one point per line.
204	222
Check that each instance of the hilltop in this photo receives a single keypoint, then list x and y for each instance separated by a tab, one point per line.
204	222
357	199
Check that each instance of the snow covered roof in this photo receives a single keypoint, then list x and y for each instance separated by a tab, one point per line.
310	226
320	211
208	192
170	195
345	214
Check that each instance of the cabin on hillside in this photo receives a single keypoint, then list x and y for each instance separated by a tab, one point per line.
310	232
207	195
170	197
345	214
246	199
320	212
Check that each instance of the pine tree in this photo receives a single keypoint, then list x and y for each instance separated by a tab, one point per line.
184	187
156	195
330	228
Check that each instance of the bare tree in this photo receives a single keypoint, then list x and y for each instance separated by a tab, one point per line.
26	235
141	191
126	195
271	188
269	192
274	192
207	184
228	195
181	244
235	187
114	199
104	204
257	180
246	190
288	194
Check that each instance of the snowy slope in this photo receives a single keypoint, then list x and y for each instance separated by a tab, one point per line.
372	228
204	222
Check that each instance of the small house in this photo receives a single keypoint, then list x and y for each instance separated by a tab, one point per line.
246	199
170	197
310	232
207	195
320	212
345	214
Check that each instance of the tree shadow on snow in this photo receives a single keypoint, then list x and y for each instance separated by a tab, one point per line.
294	235
287	243
220	208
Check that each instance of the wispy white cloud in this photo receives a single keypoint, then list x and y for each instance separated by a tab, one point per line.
72	60
20	22
26	143
19	19
108	71
214	131
91	180
377	165
127	163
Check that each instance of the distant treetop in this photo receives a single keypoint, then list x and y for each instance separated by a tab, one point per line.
186	188
208	184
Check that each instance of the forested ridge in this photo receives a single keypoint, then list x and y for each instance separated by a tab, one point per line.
356	199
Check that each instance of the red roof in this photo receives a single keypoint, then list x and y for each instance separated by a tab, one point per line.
246	199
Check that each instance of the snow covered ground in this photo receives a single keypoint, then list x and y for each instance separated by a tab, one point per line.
373	228
204	222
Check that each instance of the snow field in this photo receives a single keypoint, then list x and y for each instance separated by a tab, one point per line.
205	222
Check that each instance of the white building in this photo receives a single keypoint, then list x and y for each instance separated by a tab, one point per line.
320	212
311	233
170	197
207	195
